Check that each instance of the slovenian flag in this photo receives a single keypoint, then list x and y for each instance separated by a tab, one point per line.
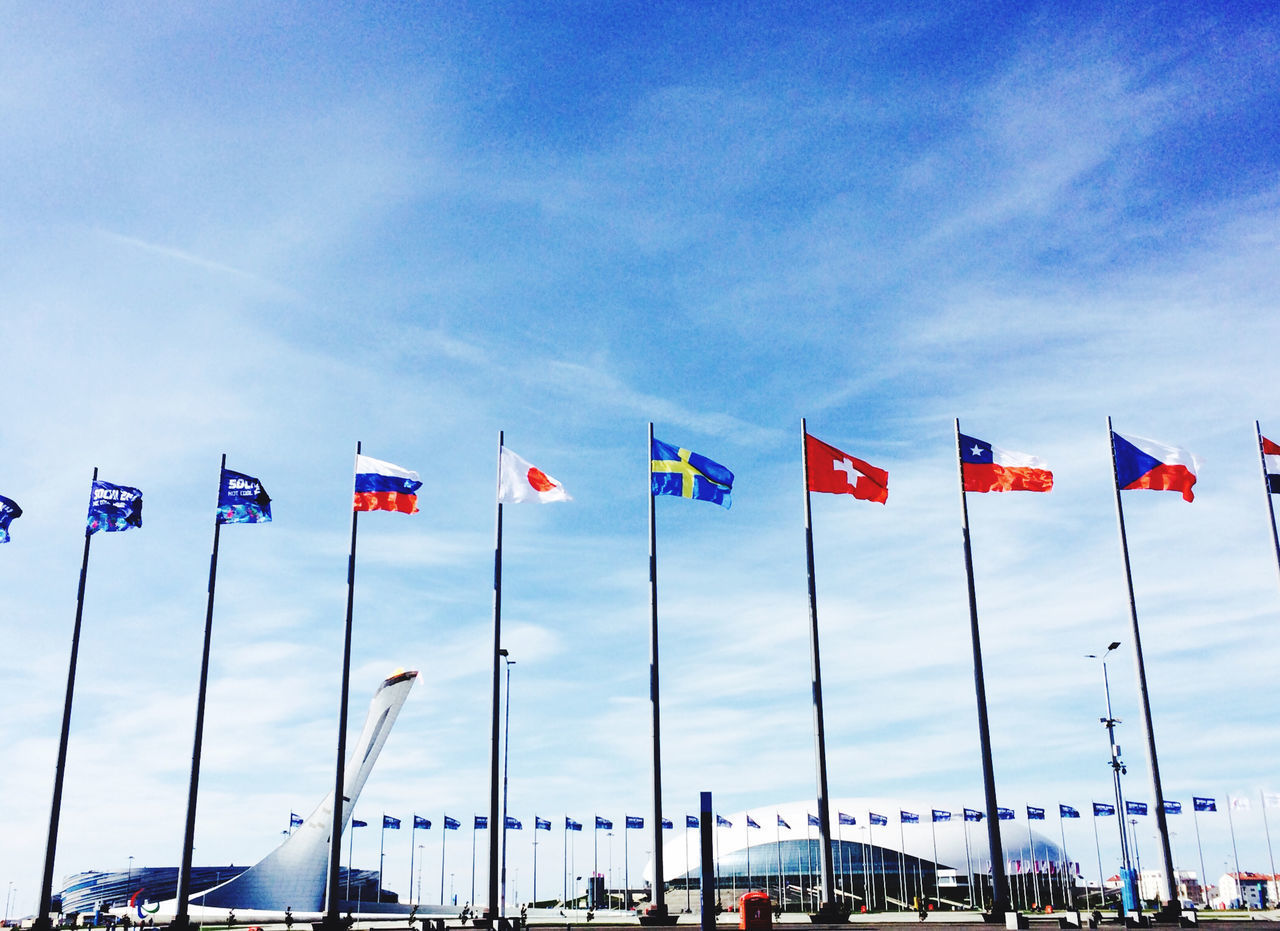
1143	463
1271	461
381	486
990	468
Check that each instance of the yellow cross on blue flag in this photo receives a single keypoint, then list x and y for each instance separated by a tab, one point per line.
679	472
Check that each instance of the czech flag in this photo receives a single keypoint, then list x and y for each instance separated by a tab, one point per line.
1143	463
381	486
990	468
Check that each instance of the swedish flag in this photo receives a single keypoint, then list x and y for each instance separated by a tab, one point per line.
686	474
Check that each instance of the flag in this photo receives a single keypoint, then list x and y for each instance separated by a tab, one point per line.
114	507
849	819
381	486
634	821
751	822
1135	808
1172	808
295	820
1271	799
690	821
451	824
971	815
1035	814
357	823
838	473
571	825
1066	811
420	823
679	472
908	817
1204	804
1143	463
723	822
519	481
990	468
814	822
1271	462
603	824
1102	808
390	822
1005	814
481	823
512	824
1239	804
541	824
9	510
782	823
667	824
242	499
875	819
941	815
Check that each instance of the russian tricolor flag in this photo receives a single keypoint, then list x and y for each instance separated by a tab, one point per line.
1271	460
381	486
1143	463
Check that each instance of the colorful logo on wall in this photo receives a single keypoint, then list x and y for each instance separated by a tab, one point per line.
139	902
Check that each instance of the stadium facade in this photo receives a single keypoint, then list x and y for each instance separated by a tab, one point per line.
893	866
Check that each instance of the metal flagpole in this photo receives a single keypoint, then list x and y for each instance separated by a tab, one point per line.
382	852
43	922
626	862
180	919
351	848
902	867
332	920
777	846
968	861
999	887
658	910
933	831
829	910
494	746
1204	880
1235	853
1035	872
566	861
1068	896
472	903
688	886
1262	797
444	834
1266	487
1162	825
1102	879
535	861
413	838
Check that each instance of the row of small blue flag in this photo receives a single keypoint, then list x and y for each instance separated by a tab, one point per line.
384	486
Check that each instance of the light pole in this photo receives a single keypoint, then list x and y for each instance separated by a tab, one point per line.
506	743
1127	891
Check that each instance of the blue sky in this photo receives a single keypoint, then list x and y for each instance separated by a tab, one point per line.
272	231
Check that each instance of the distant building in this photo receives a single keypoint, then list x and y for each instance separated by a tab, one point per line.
1246	890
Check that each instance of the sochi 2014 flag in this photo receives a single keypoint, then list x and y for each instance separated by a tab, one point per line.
242	499
1145	464
990	468
519	480
9	510
382	486
836	472
114	507
1271	459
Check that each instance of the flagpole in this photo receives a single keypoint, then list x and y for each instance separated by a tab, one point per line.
828	910
413	837
1067	890
382	852
658	910
1266	489
933	831
1102	879
43	922
1162	826
1235	853
688	887
332	920
565	872
968	859
497	695
444	836
1262	797
180	919
999	887
1204	880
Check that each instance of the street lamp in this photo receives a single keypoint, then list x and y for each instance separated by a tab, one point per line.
506	743
1128	894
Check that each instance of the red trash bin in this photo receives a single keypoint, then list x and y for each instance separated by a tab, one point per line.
755	912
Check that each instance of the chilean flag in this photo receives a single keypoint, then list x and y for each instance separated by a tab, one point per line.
381	486
1271	460
838	473
1143	463
990	468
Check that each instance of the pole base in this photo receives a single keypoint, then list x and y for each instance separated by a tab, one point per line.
179	923
658	915
333	923
831	913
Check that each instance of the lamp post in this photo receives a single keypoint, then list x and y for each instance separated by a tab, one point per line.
506	743
1127	892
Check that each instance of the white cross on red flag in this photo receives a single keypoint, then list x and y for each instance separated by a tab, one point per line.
837	473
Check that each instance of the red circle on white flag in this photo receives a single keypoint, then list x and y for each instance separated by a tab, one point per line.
538	479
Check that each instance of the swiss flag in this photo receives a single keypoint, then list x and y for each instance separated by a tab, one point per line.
838	473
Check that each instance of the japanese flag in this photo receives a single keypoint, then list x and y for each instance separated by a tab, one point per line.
519	480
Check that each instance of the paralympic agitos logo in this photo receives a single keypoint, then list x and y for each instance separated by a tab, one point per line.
138	901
